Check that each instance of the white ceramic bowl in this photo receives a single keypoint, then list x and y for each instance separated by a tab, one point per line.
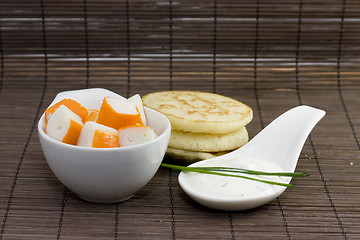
105	175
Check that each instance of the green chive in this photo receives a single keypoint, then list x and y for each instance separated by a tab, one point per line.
224	171
252	172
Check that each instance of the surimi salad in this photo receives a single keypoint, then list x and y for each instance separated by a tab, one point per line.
118	123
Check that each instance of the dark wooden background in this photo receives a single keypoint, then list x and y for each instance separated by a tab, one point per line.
272	55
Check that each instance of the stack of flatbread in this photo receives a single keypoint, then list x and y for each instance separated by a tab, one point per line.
204	125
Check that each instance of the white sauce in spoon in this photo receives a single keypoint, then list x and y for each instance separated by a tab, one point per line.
233	187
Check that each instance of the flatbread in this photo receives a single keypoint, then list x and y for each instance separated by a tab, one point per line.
205	142
200	112
189	157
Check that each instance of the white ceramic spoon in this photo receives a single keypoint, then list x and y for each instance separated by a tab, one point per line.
276	148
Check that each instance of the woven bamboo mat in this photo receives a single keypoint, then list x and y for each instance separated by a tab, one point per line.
271	55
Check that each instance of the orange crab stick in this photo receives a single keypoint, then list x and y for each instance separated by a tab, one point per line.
98	136
69	103
135	134
117	113
92	116
136	99
64	125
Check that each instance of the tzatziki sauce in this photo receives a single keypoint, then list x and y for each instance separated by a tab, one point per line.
234	187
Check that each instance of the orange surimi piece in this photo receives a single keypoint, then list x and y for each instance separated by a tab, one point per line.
70	104
135	134
98	136
117	113
136	99
92	116
64	125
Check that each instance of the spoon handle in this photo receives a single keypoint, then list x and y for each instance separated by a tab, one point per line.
282	140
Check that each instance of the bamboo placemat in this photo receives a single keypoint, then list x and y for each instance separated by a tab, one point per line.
271	55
